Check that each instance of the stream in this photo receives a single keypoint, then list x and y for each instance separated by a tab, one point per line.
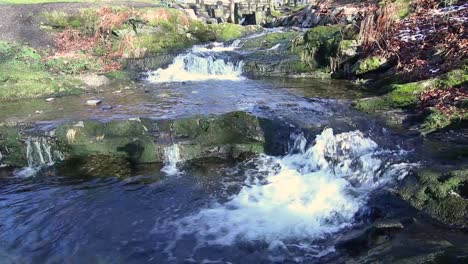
293	208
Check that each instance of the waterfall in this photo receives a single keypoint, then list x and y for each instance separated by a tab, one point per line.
297	143
307	195
200	64
38	154
1	157
171	159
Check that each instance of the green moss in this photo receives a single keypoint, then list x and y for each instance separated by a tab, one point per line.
201	31
403	7
161	42
368	65
56	19
228	31
407	95
437	120
119	75
11	147
453	78
24	75
301	67
74	65
127	138
269	40
440	195
318	45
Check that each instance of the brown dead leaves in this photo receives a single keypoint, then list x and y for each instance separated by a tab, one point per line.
448	101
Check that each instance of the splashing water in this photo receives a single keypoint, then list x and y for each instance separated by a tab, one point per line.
304	196
200	64
171	158
38	154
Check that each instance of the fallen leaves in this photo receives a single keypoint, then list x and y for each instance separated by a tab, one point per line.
448	101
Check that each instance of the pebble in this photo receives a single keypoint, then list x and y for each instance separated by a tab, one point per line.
93	102
107	107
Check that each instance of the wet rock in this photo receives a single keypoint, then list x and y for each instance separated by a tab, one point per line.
94	80
12	147
442	195
232	135
97	166
93	102
360	240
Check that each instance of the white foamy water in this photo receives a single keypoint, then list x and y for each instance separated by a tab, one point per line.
171	159
38	154
201	64
300	197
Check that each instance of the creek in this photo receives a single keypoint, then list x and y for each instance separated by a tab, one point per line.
332	178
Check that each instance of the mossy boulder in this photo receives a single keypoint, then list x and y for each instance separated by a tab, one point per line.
407	95
144	141
269	40
12	147
122	138
441	195
437	120
369	64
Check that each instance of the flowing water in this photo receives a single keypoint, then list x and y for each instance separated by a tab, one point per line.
283	209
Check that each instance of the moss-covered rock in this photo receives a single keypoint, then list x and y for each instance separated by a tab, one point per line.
437	120
127	138
367	65
441	195
12	147
230	135
267	41
407	95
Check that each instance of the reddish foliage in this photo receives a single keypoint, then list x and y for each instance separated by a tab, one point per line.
72	40
431	41
445	100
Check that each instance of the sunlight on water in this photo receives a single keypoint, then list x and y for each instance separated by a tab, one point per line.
200	64
171	159
306	196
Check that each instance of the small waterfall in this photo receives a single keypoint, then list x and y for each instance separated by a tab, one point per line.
275	47
201	63
196	67
171	159
38	154
307	195
297	143
1	158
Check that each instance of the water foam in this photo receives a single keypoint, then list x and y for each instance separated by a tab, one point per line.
201	64
301	197
171	159
38	154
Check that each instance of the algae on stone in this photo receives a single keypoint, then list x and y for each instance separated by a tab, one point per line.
441	195
368	65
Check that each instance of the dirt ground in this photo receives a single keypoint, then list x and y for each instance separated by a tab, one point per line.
21	23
